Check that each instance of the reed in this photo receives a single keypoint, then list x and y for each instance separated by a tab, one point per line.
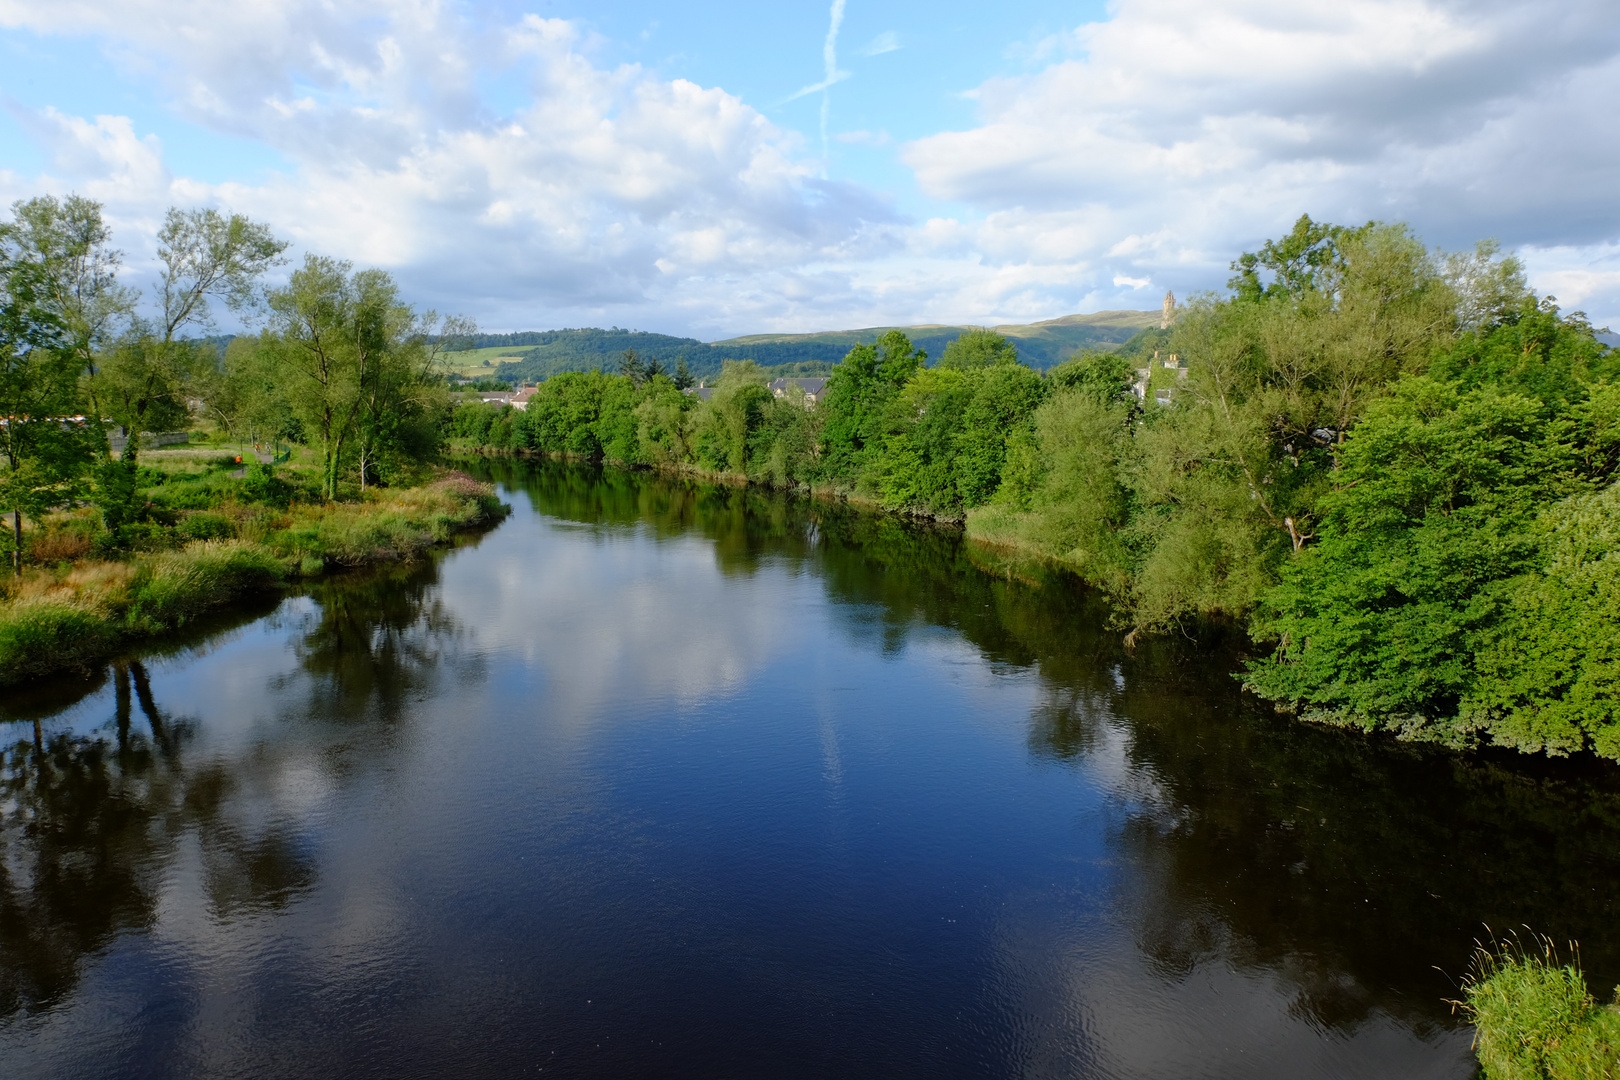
1534	1018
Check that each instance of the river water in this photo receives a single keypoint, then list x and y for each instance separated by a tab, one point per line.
660	779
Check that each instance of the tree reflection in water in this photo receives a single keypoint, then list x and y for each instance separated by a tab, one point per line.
1350	867
92	824
381	640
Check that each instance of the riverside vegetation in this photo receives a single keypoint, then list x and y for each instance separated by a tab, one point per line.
108	546
1393	467
1535	1018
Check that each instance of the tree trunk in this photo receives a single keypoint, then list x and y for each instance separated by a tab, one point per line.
16	536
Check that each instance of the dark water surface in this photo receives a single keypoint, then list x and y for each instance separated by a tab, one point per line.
665	780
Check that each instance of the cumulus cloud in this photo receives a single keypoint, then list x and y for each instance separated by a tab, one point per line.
610	189
1179	131
1149	147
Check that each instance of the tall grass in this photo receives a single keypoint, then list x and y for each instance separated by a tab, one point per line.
75	615
1534	1018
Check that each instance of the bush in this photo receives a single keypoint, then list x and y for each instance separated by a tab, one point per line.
40	634
63	540
261	485
178	586
1534	1018
205	526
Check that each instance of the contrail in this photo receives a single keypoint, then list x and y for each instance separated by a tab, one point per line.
829	59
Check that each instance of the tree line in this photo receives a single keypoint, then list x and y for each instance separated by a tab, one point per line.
340	364
1393	467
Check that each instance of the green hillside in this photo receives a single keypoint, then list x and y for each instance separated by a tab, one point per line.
535	355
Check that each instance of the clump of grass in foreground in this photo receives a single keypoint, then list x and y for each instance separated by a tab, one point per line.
63	619
1534	1018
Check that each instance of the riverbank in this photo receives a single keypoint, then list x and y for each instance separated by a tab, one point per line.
77	613
1534	1016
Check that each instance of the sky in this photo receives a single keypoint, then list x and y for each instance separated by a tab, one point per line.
720	168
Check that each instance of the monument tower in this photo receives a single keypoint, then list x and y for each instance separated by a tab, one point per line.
1169	310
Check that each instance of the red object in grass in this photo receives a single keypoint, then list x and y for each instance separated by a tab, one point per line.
239	459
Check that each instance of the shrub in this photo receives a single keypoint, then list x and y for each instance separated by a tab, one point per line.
43	634
261	485
63	540
1534	1018
206	526
175	587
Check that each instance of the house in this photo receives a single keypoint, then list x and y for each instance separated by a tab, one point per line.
1162	393
520	400
814	389
495	397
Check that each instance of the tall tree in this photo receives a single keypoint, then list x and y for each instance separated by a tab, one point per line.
859	392
208	255
44	446
340	336
78	271
405	388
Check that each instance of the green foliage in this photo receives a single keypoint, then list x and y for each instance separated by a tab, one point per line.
355	368
1432	517
46	446
1103	376
857	405
41	635
1534	1018
1548	673
949	433
1063	494
1307	260
978	348
727	424
1460	587
1534	351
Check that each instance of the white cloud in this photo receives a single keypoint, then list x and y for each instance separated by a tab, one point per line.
611	190
1132	282
886	42
1150	147
1181	131
864	138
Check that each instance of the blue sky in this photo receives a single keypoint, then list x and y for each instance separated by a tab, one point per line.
637	164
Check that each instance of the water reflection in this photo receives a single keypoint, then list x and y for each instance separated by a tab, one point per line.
95	818
1359	871
689	779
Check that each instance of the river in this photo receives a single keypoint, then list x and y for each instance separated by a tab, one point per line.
665	779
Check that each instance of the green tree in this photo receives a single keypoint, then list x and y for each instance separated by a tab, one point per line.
72	246
207	255
977	349
726	425
856	406
683	375
403	395
335	330
45	446
1432	519
949	431
1548	675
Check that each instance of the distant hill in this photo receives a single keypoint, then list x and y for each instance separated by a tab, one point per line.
1041	344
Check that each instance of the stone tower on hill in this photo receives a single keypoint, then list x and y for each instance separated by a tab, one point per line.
1169	310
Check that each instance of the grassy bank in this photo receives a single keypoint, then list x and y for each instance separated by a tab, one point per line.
1535	1019
84	608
